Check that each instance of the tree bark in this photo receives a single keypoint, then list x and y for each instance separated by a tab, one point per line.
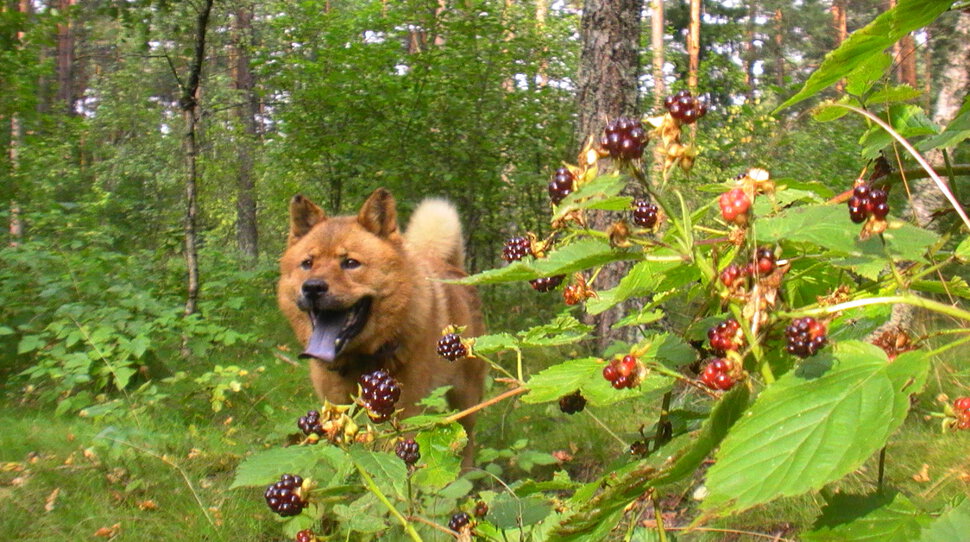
840	30
607	88
657	50
779	48
65	59
15	221
246	227
189	105
694	44
542	75
748	53
907	61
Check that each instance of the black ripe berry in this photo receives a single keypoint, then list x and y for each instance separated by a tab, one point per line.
867	201
546	284
379	392
409	451
451	348
644	213
459	521
572	403
684	107
310	423
306	535
805	336
624	138
561	184
516	248
283	498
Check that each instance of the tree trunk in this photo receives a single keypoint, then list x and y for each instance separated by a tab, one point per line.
779	48
840	30
607	88
65	59
748	54
907	61
694	44
15	221
246	230
542	76
190	105
657	50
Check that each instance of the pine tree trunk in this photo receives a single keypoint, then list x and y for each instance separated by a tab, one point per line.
657	50
15	221
246	227
779	49
190	105
65	59
542	75
748	54
607	88
694	44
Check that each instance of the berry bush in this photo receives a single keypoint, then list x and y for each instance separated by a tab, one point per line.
788	371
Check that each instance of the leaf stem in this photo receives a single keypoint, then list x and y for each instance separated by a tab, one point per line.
484	404
913	300
372	487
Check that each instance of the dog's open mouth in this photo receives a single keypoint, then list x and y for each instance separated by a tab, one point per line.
333	329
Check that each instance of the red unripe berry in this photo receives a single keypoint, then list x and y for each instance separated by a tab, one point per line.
610	373
734	206
723	381
963	403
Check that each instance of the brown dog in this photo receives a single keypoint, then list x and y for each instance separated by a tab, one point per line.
361	296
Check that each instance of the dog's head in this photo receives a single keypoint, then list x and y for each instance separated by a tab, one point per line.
343	281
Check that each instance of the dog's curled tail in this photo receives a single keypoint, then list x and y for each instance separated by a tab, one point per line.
434	228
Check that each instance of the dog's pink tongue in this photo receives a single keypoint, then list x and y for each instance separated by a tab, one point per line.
322	344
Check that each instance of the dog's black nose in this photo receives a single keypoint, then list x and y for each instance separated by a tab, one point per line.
314	288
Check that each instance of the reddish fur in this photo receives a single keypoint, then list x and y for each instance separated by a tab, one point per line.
410	309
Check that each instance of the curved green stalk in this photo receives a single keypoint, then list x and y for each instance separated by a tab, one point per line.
372	487
913	300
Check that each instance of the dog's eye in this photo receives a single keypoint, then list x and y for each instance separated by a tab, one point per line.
349	263
307	263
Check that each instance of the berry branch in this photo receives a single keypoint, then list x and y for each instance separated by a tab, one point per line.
372	487
913	300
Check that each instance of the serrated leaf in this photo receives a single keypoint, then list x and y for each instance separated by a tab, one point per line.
604	188
642	279
561	379
952	525
564	329
508	511
909	121
387	469
364	515
639	318
514	272
956	132
599	392
868	518
29	343
828	111
814	425
264	468
891	94
869	41
489	344
580	255
962	251
670	350
560	482
861	79
440	450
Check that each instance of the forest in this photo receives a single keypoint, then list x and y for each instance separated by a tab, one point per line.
721	248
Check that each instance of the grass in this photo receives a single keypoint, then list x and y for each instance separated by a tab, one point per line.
163	473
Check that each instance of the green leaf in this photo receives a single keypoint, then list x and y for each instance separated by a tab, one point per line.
962	251
489	344
956	132
599	392
952	525
122	375
514	272
29	343
387	469
861	79
4	330
909	121
670	350
440	450
561	379
604	189
639	318
868	518
580	255
892	94
869	41
814	425
364	515
955	286
565	329
828	111
508	511
642	279
266	467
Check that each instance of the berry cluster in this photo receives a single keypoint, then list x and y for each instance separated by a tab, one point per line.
516	248
283	498
561	184
572	403
640	448
962	408
459	521
805	337
310	424
378	393
644	213
546	284
481	509
866	201
734	206
623	373
624	138
765	261
684	107
451	348
409	451
306	535
725	336
717	374
894	342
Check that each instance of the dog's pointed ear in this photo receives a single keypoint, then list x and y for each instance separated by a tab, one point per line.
378	215
304	215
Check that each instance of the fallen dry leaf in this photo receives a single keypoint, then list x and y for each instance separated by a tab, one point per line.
562	456
108	532
148	505
51	499
923	475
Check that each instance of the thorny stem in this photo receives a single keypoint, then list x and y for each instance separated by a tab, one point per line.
485	404
913	300
372	487
915	154
662	422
